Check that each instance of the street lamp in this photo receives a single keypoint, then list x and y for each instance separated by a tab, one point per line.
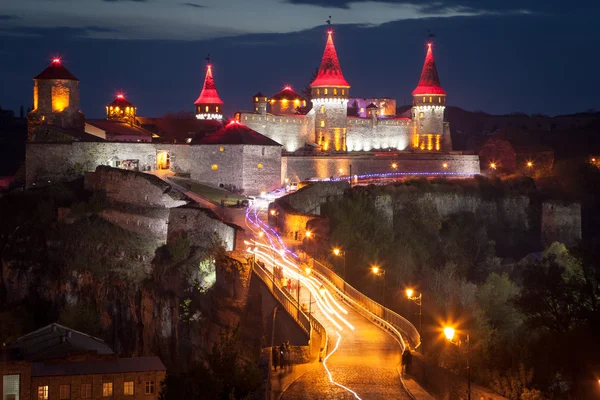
394	166
529	164
380	272
449	332
410	294
310	235
338	252
493	165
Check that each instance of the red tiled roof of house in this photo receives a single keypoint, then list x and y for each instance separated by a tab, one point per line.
430	81
56	71
209	93
330	72
120	101
236	133
119	128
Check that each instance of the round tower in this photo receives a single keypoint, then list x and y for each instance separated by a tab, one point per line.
330	92
287	102
55	99
260	104
209	105
121	110
429	103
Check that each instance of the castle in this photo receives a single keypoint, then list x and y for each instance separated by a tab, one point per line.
283	139
328	128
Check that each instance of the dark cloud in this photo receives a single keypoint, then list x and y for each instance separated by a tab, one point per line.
57	31
194	5
122	1
4	17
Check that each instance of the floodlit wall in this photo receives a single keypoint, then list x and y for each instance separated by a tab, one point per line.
199	225
287	130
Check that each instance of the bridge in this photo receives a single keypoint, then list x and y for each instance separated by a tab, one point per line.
361	342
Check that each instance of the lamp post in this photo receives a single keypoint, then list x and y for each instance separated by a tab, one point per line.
338	252
380	272
307	270
310	235
410	294
449	333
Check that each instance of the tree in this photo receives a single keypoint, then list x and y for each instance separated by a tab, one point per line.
496	298
353	109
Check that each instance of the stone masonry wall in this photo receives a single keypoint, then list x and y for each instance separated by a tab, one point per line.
197	225
151	225
229	163
268	176
298	168
366	134
287	130
308	200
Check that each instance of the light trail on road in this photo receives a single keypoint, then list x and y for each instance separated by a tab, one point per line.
272	251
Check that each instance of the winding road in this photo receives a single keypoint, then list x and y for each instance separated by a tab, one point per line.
362	359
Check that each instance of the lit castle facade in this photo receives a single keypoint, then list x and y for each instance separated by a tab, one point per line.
328	128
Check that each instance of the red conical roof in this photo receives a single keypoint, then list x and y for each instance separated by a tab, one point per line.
56	71
209	93
429	82
330	73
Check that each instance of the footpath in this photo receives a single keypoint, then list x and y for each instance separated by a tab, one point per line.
282	379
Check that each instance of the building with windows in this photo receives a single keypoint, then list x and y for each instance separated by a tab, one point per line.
56	362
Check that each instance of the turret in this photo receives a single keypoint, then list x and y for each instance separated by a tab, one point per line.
330	92
120	110
209	105
260	104
372	111
55	99
287	102
429	101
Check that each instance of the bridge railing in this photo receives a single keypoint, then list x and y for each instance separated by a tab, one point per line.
305	322
400	323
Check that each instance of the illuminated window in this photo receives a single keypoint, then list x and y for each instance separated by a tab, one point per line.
86	391
423	99
256	99
246	117
439	99
253	118
342	92
107	389
322	109
322	124
334	90
217	109
128	388
35	97
287	120
149	387
256	109
60	98
260	166
206	109
11	386
303	103
430	99
42	393
318	91
214	167
421	115
325	91
188	140
362	110
64	392
221	149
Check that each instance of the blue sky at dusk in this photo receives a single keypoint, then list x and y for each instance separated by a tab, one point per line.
492	55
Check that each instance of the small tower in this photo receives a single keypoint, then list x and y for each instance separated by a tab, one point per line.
260	104
372	111
429	103
121	110
287	102
330	92
55	100
209	105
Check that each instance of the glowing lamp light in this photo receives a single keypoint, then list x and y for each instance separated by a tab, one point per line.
263	193
56	60
287	88
449	333
336	252
493	165
120	96
445	165
272	212
529	164
409	293
261	234
375	269
308	234
307	270
394	165
341	170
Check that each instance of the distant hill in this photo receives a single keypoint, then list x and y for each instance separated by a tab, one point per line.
569	135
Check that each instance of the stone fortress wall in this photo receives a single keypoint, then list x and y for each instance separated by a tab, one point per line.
291	131
364	134
299	168
198	225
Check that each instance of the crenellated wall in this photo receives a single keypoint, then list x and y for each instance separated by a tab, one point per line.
291	131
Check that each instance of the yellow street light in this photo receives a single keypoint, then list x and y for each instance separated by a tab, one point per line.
449	333
263	193
493	165
445	165
308	234
307	270
375	269
394	165
341	170
261	234
322	291
273	212
529	164
409	293
336	251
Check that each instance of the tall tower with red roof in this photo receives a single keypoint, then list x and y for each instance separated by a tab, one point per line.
330	92
429	103
55	100
209	105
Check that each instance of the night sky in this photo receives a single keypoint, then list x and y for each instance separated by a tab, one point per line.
499	56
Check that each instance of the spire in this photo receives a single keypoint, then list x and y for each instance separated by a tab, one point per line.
429	82
330	72
209	93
